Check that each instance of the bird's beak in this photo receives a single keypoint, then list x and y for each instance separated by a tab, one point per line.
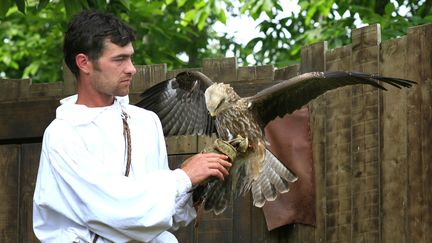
213	114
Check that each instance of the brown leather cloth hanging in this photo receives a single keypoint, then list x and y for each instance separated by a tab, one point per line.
290	142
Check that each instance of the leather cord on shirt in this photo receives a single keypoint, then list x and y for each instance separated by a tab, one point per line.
127	137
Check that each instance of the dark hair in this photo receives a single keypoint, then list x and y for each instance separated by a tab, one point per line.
87	32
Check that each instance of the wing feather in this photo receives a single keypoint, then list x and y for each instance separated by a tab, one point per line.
290	95
180	104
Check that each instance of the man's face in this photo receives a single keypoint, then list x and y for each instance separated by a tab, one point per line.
112	72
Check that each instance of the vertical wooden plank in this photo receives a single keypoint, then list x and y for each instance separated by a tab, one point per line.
317	123
265	72
183	234
298	232
26	119
313	58
365	145
9	157
14	89
259	232
29	164
44	90
248	221
242	211
205	141
182	144
242	219
147	76
216	228
221	70
173	73
394	164
69	81
246	73
339	59
338	170
287	72
255	73
338	173
419	135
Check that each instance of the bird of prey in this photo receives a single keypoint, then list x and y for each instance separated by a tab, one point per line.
191	103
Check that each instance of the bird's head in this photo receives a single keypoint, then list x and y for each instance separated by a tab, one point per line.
218	97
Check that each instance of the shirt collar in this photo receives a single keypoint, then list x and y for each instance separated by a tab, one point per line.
80	114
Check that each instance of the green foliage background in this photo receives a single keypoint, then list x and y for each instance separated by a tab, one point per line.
31	31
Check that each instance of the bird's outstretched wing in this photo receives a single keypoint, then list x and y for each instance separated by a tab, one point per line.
290	95
179	102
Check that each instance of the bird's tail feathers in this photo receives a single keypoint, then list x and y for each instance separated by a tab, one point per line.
218	196
242	182
273	179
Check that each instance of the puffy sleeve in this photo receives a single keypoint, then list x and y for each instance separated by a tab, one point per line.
73	185
185	212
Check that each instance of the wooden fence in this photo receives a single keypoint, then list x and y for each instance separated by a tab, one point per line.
372	149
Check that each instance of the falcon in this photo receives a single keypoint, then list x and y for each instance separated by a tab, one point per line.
191	103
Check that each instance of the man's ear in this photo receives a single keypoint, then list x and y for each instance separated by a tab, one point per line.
83	63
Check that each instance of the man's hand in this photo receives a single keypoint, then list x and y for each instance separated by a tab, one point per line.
201	166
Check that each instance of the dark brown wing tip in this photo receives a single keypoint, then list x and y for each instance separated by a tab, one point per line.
195	74
374	79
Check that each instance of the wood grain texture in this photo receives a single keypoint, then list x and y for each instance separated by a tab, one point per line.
26	119
365	136
9	203
394	164
419	135
29	164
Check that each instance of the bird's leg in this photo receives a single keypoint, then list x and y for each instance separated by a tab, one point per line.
241	144
226	148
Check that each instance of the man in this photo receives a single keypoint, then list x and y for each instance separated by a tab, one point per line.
103	173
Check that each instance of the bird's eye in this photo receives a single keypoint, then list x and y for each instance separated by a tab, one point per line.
220	103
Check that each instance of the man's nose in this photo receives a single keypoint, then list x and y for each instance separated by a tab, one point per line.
130	69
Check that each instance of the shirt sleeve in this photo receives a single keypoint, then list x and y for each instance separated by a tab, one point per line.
185	212
71	182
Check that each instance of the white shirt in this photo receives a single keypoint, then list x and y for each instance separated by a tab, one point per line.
81	188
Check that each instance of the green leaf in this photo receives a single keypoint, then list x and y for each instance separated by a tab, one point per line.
42	4
31	70
197	16
168	2
199	4
21	5
84	4
125	3
222	17
4	7
72	7
202	20
189	17
180	3
245	7
389	9
309	14
267	5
